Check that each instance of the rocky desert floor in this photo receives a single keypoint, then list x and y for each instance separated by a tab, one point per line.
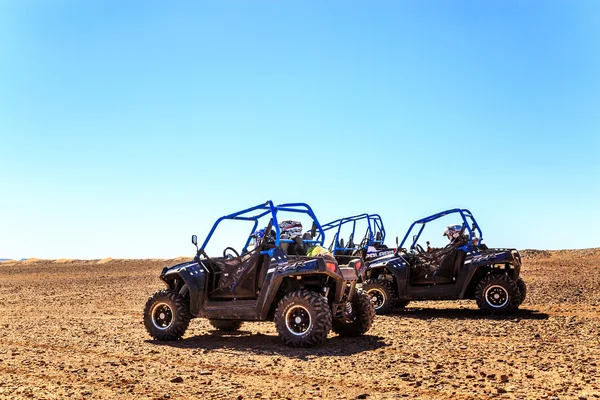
73	329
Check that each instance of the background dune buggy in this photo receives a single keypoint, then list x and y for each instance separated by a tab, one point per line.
370	247
464	269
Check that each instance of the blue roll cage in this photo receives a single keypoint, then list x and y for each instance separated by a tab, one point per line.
374	225
464	213
268	208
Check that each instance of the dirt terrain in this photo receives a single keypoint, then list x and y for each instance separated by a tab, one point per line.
74	329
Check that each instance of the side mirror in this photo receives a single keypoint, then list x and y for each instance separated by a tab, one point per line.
414	238
195	240
428	243
313	230
396	241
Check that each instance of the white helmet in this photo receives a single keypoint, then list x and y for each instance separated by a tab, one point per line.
290	229
453	231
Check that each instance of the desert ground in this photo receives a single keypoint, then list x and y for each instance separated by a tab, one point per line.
73	329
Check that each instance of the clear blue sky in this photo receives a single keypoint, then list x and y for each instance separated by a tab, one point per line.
127	126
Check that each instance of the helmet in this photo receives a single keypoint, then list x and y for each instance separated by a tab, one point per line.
453	231
259	234
290	228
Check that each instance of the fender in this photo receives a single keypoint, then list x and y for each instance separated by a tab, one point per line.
282	267
194	276
397	266
279	266
489	258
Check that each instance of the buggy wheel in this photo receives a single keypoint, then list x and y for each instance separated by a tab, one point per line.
225	325
522	289
166	315
363	312
303	318
381	294
497	294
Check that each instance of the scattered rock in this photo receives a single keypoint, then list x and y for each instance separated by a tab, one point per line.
177	379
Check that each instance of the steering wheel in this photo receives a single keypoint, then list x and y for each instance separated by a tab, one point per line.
420	249
229	256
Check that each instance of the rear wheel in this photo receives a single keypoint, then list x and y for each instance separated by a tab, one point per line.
522	289
303	318
497	294
381	294
363	314
166	315
225	325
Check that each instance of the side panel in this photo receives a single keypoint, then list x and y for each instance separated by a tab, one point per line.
432	292
465	275
373	253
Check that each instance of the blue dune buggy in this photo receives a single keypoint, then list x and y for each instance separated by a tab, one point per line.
370	247
464	269
271	279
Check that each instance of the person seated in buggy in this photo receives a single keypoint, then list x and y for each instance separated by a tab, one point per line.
290	230
438	265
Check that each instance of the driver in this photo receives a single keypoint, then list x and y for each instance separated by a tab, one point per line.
453	233
292	230
258	236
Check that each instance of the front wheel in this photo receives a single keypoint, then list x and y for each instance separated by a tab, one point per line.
381	294
303	318
497	294
166	315
362	315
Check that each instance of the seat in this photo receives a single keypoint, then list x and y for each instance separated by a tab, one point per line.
445	272
447	263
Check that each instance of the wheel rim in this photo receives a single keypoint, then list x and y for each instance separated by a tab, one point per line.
298	320
496	296
377	298
162	316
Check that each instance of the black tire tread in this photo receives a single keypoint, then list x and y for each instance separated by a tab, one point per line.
365	314
321	318
386	286
498	279
181	315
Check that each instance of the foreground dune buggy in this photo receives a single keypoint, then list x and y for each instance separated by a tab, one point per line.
273	281
464	269
370	247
